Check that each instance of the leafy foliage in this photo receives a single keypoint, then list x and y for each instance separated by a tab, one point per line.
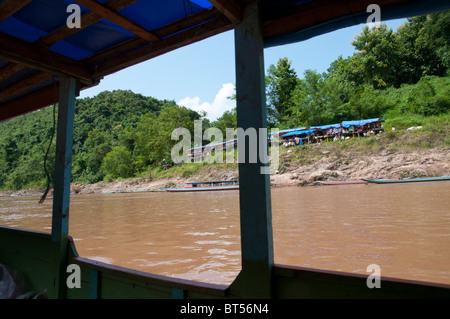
118	163
281	82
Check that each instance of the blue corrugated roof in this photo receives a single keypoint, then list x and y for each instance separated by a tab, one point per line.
29	26
155	14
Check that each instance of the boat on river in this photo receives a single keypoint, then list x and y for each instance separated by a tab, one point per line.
137	191
342	182
206	187
408	180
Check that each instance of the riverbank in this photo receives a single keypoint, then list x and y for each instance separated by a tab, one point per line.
329	167
405	154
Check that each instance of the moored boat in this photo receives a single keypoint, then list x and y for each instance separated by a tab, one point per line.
203	189
342	182
137	191
408	180
206	186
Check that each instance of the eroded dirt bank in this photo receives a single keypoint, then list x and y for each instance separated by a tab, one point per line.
325	167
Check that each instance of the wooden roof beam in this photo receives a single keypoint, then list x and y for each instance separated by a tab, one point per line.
9	7
112	15
87	19
25	84
10	69
230	8
38	57
29	103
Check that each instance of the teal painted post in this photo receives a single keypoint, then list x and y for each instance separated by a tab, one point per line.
178	293
61	192
94	284
254	187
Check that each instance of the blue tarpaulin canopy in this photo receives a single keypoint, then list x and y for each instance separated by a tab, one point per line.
291	130
307	132
347	124
326	127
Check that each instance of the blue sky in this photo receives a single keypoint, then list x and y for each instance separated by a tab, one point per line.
201	76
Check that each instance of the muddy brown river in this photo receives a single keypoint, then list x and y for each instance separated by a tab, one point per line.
403	228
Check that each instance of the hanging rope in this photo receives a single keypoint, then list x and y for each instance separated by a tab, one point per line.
44	196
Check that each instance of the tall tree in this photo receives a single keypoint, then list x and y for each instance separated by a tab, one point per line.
311	102
281	82
434	43
414	62
378	57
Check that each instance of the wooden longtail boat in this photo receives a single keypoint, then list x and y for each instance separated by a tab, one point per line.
203	189
139	191
342	182
206	186
408	180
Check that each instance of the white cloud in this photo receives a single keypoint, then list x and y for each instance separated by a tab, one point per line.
215	109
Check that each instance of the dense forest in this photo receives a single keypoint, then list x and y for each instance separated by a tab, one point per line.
402	76
117	134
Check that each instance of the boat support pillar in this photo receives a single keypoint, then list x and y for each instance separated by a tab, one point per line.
61	194
254	280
